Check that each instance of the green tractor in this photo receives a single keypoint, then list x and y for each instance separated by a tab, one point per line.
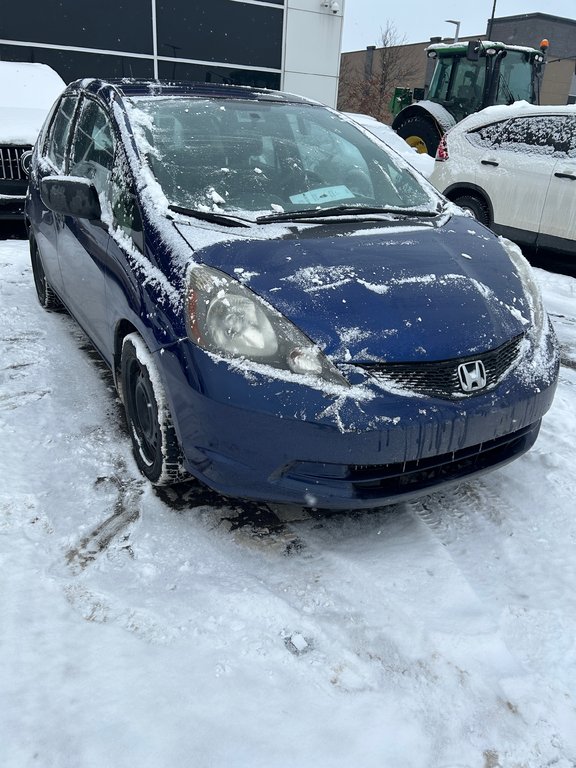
468	77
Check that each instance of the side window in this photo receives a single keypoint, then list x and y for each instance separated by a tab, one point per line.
529	133
92	151
489	136
562	135
467	87
546	135
441	79
59	132
125	211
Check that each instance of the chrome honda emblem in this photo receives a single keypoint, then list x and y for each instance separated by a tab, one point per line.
472	376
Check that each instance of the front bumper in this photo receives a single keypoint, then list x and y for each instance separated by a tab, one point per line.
263	439
12	199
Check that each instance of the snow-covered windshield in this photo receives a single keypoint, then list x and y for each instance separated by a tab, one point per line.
249	157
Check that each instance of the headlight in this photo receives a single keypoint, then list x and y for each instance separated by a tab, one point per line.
228	319
531	289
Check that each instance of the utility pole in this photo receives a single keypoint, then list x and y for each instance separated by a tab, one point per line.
491	22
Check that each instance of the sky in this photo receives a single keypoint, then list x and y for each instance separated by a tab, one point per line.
420	20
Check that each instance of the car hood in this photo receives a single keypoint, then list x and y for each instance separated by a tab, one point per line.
394	294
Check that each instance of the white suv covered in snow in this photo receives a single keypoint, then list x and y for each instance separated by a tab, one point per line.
514	168
27	91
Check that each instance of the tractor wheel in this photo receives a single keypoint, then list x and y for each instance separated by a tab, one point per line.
420	132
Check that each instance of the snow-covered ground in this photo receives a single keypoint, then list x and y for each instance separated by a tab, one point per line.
181	630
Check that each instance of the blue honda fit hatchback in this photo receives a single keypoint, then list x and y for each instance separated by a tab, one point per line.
291	313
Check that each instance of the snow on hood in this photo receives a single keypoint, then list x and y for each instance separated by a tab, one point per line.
388	294
27	91
20	126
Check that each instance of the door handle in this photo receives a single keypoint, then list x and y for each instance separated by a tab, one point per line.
495	163
562	175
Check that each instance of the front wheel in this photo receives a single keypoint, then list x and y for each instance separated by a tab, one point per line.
476	206
154	440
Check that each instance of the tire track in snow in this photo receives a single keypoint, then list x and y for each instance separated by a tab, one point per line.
370	623
500	551
126	511
365	623
483	533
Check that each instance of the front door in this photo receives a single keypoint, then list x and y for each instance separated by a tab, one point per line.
82	244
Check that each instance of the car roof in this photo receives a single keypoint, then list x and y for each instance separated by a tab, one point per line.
502	112
162	88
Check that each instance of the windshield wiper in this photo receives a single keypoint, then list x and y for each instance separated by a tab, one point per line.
344	210
215	218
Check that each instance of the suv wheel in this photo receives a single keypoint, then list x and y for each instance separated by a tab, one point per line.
477	207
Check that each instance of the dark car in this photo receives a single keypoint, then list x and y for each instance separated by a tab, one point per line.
290	312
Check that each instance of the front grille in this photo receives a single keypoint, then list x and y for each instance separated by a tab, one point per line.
440	379
10	162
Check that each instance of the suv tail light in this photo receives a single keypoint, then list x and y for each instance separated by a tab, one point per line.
442	151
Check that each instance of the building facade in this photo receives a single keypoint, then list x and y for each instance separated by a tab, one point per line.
293	45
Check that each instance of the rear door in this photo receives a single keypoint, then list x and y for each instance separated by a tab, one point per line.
515	168
558	223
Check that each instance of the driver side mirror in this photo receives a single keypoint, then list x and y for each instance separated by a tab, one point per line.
71	196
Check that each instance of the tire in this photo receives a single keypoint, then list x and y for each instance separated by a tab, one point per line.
46	296
477	207
154	440
420	132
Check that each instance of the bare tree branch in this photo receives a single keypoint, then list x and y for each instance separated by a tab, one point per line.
368	79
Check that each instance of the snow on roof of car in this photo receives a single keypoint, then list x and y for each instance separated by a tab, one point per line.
132	87
506	111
